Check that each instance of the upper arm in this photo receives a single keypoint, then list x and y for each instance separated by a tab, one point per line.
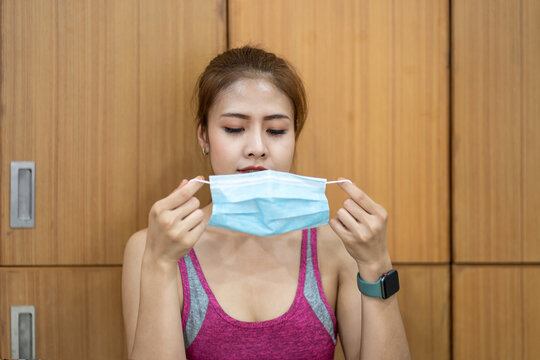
349	310
131	282
349	298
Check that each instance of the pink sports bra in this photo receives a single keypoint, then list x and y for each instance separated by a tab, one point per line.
306	331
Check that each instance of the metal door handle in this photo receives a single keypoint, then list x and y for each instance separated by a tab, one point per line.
23	333
23	199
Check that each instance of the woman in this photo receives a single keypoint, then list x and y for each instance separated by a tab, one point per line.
237	295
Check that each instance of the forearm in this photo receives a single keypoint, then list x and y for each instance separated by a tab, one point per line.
159	327
383	335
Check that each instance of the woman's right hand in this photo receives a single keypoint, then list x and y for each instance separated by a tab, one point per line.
175	223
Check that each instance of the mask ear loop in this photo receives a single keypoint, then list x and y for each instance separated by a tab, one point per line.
328	182
199	180
339	181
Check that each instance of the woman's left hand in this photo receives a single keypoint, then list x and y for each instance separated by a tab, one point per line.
361	225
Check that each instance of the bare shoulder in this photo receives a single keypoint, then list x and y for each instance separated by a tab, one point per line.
334	252
348	298
133	254
131	266
131	276
135	245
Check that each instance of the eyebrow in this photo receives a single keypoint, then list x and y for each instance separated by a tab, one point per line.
245	117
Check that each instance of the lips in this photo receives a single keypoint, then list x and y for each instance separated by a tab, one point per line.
251	169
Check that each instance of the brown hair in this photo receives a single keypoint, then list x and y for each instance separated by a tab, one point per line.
249	62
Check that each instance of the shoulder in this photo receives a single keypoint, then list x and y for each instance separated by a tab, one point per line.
133	254
131	265
348	298
331	248
135	244
131	275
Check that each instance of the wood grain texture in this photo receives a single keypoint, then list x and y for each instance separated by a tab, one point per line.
178	39
98	95
531	129
496	162
78	311
424	303
496	312
377	81
531	311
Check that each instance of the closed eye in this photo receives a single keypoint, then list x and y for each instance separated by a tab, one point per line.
233	130
276	132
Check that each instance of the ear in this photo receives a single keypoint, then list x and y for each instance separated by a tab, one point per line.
202	137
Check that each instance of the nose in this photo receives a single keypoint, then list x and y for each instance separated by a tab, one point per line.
255	147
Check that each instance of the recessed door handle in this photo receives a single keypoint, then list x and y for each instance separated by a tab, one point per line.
23	332
23	194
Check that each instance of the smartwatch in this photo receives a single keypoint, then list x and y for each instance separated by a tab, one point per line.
386	286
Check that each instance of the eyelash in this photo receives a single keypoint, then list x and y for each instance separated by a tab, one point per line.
233	130
239	130
276	132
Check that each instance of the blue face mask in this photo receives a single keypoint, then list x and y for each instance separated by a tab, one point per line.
268	202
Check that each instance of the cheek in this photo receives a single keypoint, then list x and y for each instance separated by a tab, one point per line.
223	153
287	153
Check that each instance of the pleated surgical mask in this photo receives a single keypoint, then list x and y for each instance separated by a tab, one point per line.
268	202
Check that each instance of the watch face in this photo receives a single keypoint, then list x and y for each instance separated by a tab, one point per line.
390	284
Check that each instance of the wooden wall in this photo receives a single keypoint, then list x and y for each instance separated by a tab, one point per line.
496	172
98	94
377	76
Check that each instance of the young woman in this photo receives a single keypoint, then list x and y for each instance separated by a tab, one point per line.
203	292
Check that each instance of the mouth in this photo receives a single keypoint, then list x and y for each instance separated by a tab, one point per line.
251	169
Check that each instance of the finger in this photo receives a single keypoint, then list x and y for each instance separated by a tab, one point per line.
184	182
185	209
180	195
194	234
198	229
192	220
360	197
356	211
348	221
338	228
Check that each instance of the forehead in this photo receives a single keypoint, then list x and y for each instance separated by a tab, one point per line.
253	95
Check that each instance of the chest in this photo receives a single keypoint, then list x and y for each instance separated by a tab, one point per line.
263	288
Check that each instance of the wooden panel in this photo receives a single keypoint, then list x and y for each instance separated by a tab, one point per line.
531	312
531	129
69	96
98	94
78	311
496	315
178	39
424	303
496	132
376	76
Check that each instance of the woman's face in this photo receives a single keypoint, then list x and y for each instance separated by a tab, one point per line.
250	127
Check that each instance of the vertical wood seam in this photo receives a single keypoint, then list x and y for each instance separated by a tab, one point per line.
393	107
138	136
521	142
2	131
450	182
522	182
56	110
227	26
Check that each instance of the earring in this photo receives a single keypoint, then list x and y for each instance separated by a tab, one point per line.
204	151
